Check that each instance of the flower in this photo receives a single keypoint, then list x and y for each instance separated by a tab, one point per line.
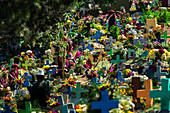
28	52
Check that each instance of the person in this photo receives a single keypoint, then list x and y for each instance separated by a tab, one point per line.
40	90
112	18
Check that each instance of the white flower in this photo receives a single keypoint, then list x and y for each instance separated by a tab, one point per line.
48	52
28	52
102	32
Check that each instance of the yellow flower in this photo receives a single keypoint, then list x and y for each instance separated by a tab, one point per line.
46	67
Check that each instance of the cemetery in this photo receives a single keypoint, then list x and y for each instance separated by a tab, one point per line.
85	56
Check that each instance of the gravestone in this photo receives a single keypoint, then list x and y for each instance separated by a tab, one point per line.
163	94
105	104
151	23
158	73
98	36
135	87
145	93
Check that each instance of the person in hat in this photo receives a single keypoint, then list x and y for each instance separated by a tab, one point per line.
112	18
40	90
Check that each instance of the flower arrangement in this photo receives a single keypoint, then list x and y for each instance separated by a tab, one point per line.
161	54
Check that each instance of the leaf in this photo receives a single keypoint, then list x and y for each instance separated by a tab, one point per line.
61	34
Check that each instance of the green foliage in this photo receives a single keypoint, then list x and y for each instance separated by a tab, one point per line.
26	18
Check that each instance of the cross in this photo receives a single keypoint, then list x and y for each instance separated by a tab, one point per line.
26	65
118	60
145	54
79	37
89	47
165	37
122	66
105	104
7	110
158	73
163	94
26	82
135	87
28	108
53	72
145	93
78	90
61	101
149	73
95	82
2	58
130	51
139	45
72	111
64	109
66	101
134	58
120	80
10	65
97	36
47	63
111	52
67	90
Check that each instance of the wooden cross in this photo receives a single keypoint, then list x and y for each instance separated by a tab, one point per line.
27	78
120	80
89	47
158	73
105	104
97	36
111	52
145	93
47	63
79	38
135	87
78	90
130	51
163	94
118	60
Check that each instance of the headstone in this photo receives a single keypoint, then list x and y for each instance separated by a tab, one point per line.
158	73
89	47
79	38
145	93
98	36
151	23
105	104
28	108
53	72
135	87
111	52
118	60
163	94
95	82
120	80
27	78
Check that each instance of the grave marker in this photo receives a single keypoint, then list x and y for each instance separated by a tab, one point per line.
151	23
105	104
145	93
118	60
163	94
158	73
97	36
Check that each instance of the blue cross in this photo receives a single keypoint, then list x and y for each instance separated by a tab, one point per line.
97	36
47	63
89	47
120	80
163	94
26	82
95	82
68	91
105	104
145	54
158	73
149	73
53	72
7	110
79	37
